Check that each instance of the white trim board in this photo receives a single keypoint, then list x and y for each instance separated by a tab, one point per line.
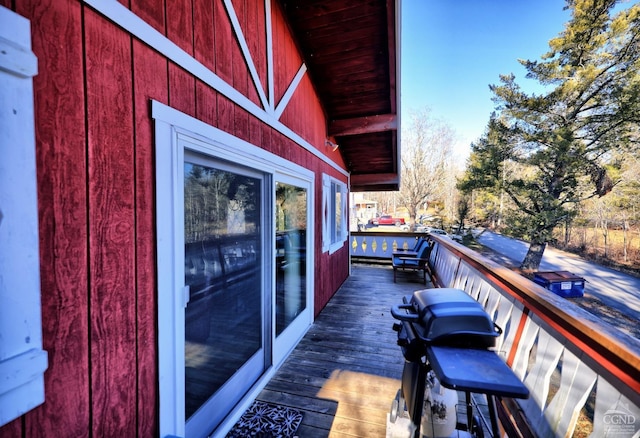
260	158
289	93
245	52
269	32
137	27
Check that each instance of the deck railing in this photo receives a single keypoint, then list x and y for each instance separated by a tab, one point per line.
583	374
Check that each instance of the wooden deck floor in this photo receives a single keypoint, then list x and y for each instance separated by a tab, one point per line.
346	371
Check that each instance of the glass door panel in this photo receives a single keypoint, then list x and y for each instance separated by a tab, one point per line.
224	317
291	254
293	295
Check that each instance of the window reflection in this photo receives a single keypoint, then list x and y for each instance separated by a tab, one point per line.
291	229
223	319
338	213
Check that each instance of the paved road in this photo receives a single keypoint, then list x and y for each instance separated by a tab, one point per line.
613	288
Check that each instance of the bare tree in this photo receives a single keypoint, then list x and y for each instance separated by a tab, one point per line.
620	208
427	146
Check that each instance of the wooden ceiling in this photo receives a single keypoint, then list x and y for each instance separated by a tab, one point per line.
351	49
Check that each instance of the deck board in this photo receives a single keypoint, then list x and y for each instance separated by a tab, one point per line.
345	372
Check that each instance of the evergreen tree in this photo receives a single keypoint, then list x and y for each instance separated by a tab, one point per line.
558	145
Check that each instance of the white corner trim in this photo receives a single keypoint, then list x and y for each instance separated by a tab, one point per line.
137	27
245	52
290	89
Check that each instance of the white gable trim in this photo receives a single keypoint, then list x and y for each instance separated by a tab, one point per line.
137	27
289	93
246	53
269	32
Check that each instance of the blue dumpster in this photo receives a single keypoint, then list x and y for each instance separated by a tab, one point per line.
561	283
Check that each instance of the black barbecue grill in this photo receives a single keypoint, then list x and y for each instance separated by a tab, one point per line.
448	332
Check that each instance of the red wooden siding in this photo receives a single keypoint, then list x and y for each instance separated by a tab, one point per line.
206	104
204	42
62	199
225	114
182	90
312	126
335	267
149	83
241	123
240	73
286	59
151	11
255	34
224	43
96	190
255	131
111	227
180	23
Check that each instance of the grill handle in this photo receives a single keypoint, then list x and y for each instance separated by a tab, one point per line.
396	312
444	336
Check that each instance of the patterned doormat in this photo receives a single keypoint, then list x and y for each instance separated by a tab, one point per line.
264	420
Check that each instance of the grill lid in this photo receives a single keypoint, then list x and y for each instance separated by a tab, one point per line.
447	316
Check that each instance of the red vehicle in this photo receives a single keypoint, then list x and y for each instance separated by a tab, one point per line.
387	219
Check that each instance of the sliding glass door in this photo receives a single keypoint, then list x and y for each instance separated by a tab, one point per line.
235	284
292	287
226	315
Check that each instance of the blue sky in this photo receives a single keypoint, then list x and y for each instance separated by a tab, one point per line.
453	49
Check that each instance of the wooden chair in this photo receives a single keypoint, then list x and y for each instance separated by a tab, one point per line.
417	263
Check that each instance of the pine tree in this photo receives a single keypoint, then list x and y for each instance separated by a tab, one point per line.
560	142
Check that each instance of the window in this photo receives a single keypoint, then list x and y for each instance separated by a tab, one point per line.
334	213
291	253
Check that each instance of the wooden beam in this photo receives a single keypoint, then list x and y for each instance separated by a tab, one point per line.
393	30
363	125
374	178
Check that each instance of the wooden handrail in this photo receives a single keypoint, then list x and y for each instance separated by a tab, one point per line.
613	350
545	335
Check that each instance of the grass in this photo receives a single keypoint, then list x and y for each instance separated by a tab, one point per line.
590	243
